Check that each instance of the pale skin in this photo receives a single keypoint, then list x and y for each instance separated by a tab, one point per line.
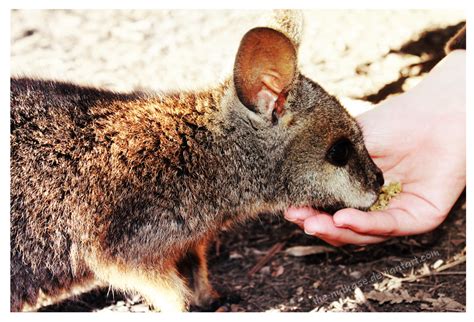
419	139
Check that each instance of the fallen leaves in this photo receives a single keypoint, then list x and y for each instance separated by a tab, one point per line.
429	303
390	291
346	304
392	282
395	297
278	272
443	304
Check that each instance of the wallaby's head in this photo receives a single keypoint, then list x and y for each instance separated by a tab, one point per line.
316	148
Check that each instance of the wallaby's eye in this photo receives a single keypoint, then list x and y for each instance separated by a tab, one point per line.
339	153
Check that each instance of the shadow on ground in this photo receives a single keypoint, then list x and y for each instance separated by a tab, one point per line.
429	46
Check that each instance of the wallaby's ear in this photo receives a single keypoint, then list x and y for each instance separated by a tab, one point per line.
264	70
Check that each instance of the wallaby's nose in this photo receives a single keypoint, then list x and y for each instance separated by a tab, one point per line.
379	178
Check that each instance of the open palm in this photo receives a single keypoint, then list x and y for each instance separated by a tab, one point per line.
418	139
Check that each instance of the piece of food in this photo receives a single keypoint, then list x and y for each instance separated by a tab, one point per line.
388	192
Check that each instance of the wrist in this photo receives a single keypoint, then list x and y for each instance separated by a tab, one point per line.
443	91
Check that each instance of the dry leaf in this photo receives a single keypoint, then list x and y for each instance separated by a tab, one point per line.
299	251
265	270
359	295
447	304
388	284
393	298
279	271
235	255
439	304
346	304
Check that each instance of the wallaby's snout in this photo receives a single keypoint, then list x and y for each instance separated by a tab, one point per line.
352	156
326	164
379	179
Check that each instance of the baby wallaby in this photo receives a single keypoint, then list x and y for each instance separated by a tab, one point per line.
126	190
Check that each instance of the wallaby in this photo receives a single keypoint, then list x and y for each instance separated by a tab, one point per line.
126	190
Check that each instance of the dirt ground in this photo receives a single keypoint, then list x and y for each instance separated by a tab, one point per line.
362	57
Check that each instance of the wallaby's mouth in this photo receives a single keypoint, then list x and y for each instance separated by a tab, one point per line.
331	209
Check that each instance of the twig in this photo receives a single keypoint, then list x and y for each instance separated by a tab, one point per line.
439	271
452	264
265	259
448	273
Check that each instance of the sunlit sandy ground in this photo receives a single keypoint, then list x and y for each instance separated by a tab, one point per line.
163	50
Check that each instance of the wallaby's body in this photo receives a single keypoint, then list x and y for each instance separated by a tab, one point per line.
126	189
87	168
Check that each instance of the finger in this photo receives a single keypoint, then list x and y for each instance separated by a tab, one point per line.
300	223
408	216
323	227
375	222
299	214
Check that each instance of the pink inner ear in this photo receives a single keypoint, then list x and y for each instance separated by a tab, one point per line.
280	102
266	100
271	95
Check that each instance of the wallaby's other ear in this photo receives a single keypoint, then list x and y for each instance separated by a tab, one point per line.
264	70
287	21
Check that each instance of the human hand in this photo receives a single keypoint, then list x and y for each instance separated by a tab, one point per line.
418	139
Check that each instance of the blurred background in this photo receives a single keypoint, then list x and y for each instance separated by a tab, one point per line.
360	56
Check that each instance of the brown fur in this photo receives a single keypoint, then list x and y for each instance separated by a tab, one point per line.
126	190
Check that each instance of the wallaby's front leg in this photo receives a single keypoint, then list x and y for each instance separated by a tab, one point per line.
193	267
